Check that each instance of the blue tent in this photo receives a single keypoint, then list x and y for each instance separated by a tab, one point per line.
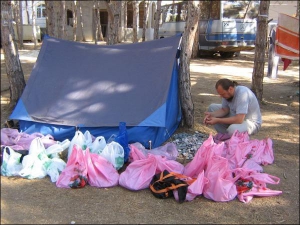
95	87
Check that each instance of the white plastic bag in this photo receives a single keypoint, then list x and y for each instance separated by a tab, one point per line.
32	168
36	147
53	150
55	168
79	140
114	153
11	164
36	162
98	145
88	139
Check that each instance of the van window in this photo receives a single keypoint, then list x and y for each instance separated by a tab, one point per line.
240	9
174	13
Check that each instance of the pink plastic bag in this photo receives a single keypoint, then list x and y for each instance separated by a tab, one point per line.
194	189
136	152
169	151
250	164
240	155
202	157
262	151
100	172
262	192
166	164
75	173
138	174
259	179
257	184
236	138
221	185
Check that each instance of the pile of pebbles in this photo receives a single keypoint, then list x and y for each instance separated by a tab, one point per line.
188	144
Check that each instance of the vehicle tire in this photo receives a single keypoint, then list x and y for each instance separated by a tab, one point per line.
204	54
237	54
226	54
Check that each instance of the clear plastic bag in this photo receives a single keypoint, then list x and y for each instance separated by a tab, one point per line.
114	153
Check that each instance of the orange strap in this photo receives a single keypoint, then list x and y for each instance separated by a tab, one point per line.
188	180
173	186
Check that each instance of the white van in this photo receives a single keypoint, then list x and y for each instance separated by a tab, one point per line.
27	32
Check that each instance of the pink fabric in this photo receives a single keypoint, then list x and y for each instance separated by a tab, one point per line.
221	137
20	140
100	172
8	136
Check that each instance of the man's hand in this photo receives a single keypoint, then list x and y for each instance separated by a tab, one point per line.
211	120
207	117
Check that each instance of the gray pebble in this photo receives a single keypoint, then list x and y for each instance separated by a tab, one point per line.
188	144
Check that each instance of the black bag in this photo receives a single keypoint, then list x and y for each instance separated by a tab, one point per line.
163	184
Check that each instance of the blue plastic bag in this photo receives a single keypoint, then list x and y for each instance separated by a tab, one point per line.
122	139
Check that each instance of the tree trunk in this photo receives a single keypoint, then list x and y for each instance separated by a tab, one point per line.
81	21
21	24
196	39
125	20
145	19
62	19
100	35
50	20
12	62
260	48
109	39
188	36
195	49
96	21
156	19
27	13
33	26
135	19
114	10
74	8
16	13
117	17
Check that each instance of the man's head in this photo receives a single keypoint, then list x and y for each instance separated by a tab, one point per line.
225	88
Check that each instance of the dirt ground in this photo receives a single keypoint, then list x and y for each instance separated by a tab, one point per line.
40	201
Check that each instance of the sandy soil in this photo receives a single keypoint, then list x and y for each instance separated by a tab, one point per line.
40	201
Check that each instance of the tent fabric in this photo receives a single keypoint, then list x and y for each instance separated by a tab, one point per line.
287	37
95	87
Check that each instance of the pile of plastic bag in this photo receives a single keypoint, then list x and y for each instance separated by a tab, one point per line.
221	170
